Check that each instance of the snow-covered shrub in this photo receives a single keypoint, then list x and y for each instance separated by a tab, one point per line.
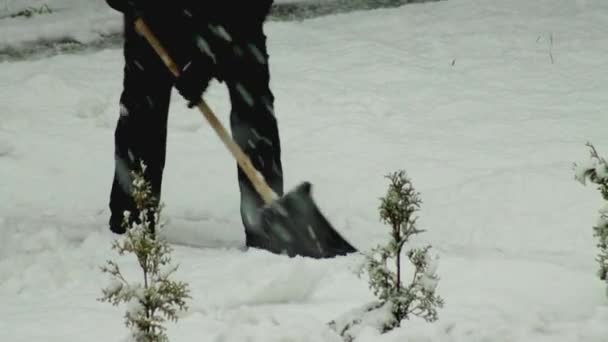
596	170
157	298
397	300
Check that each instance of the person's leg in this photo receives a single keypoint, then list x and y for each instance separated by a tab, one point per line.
254	126
141	131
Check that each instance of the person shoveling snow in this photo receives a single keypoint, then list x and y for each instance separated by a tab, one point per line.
187	46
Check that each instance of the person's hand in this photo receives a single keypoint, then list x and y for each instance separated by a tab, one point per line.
193	81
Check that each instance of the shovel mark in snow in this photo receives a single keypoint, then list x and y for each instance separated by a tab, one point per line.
296	283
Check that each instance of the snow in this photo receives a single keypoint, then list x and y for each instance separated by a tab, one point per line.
75	21
428	283
367	321
581	170
432	263
166	271
429	280
460	93
134	307
65	25
114	286
601	221
601	171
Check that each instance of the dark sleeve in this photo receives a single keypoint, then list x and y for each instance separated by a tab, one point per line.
265	7
232	12
142	5
258	9
119	5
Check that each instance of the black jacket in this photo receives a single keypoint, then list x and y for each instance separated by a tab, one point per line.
183	20
180	25
227	12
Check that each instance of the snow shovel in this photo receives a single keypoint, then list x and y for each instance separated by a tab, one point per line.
293	224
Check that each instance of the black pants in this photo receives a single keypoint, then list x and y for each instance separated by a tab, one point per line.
141	131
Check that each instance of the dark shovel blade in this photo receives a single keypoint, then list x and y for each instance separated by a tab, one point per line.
295	226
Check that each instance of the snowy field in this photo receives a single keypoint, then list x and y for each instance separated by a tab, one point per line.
463	94
41	28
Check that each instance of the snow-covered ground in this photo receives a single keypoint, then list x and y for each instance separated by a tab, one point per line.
76	21
462	94
44	28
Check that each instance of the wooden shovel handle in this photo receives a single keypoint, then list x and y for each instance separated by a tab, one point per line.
242	159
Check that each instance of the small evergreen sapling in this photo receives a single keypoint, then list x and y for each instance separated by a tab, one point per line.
596	170
398	300
158	299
